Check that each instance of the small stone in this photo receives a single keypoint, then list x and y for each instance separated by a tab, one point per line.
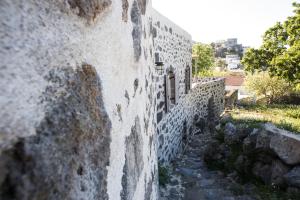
226	118
230	134
218	127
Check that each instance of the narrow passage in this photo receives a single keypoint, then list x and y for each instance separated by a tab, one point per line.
190	178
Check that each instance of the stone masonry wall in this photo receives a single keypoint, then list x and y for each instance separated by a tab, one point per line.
172	46
77	108
203	104
82	105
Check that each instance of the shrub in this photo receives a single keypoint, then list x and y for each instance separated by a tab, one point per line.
262	84
163	175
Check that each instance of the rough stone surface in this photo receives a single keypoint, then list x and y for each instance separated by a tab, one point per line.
125	6
191	179
230	134
148	190
286	145
271	174
133	161
182	116
137	30
279	169
226	117
248	146
263	140
53	164
250	154
89	9
293	177
52	142
142	6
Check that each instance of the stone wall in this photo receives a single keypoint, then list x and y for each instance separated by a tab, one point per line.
82	104
172	46
77	100
202	105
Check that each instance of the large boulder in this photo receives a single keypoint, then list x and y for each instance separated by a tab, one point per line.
293	177
284	144
263	139
272	173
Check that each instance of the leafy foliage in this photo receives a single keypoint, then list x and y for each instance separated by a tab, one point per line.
280	51
261	83
203	57
255	59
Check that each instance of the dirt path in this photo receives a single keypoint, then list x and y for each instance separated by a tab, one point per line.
192	180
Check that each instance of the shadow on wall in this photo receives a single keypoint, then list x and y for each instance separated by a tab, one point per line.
211	113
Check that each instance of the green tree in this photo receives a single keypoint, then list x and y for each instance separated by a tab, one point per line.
255	59
287	64
203	55
279	53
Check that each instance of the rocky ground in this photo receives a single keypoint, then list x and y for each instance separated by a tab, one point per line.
191	179
202	173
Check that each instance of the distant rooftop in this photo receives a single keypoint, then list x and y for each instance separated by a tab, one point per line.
234	80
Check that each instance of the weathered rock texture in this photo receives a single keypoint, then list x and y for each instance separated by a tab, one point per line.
286	145
172	47
133	161
125	6
191	113
266	153
137	30
89	9
81	99
72	85
293	177
67	159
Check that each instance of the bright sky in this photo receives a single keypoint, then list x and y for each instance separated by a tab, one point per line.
211	20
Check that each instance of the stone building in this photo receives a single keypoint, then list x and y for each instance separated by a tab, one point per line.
93	94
